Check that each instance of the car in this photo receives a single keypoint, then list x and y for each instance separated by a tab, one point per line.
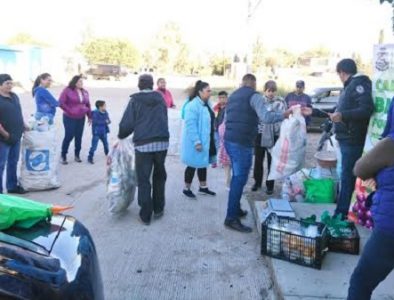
106	72
323	99
54	259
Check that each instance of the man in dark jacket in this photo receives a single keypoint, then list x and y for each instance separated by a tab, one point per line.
351	118
146	118
11	130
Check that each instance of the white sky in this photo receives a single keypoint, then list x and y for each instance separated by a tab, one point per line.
211	25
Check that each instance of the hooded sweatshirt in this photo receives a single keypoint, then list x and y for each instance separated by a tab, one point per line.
146	117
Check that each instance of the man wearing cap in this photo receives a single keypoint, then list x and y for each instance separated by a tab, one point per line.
11	130
146	118
298	97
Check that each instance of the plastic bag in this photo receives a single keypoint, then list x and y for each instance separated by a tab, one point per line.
39	167
293	186
319	190
24	213
288	154
121	176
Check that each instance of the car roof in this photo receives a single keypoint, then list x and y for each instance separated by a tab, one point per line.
325	89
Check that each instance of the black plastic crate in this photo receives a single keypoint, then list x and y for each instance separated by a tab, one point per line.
349	245
296	248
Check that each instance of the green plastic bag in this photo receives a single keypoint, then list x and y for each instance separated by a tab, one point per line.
319	190
21	212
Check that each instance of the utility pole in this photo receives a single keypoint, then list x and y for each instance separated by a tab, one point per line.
252	8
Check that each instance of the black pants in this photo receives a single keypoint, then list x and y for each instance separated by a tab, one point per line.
258	167
73	129
375	264
151	197
189	174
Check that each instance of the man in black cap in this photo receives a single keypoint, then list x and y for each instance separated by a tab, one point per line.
298	97
146	118
11	130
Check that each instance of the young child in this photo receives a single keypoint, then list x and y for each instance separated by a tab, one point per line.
224	159
219	109
268	135
100	129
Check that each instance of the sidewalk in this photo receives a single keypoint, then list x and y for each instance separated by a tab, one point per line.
294	282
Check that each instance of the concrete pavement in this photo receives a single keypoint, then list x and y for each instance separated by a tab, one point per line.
188	254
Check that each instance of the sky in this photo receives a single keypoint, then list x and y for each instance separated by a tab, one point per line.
345	26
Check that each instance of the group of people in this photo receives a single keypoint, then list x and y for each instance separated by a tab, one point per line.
240	125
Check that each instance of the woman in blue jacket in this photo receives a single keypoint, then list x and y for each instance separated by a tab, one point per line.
45	103
377	259
198	143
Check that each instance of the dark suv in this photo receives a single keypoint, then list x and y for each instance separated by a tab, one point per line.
106	72
52	260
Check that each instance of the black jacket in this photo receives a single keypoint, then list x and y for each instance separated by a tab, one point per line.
356	106
11	118
146	117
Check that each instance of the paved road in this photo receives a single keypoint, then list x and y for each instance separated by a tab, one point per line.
186	255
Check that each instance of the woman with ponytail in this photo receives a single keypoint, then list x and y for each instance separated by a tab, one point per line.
45	103
198	142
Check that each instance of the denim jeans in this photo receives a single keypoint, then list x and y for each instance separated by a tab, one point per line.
375	264
350	154
9	155
241	160
95	139
73	128
151	195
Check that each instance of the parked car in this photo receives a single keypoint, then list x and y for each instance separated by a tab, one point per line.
323	99
51	260
106	72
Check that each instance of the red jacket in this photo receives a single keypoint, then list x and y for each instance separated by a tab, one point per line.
167	97
72	106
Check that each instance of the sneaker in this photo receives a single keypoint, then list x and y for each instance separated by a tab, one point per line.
18	190
90	160
206	191
269	192
64	161
145	222
77	159
158	215
242	213
255	188
189	193
237	226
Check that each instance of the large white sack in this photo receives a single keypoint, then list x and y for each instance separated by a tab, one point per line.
39	168
288	154
175	129
121	176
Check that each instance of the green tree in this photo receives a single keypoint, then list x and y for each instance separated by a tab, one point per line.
170	53
26	39
111	51
319	51
218	64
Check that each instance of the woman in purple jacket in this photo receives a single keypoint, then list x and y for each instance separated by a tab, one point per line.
74	101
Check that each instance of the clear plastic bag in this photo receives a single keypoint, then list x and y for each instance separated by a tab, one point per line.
121	176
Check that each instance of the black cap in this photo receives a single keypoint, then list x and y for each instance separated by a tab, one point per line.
4	78
300	83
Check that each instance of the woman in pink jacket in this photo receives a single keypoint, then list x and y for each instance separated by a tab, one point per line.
74	101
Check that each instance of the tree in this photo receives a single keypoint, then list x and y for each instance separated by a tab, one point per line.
111	51
218	64
170	53
26	39
320	51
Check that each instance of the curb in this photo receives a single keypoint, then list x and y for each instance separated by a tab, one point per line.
278	294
